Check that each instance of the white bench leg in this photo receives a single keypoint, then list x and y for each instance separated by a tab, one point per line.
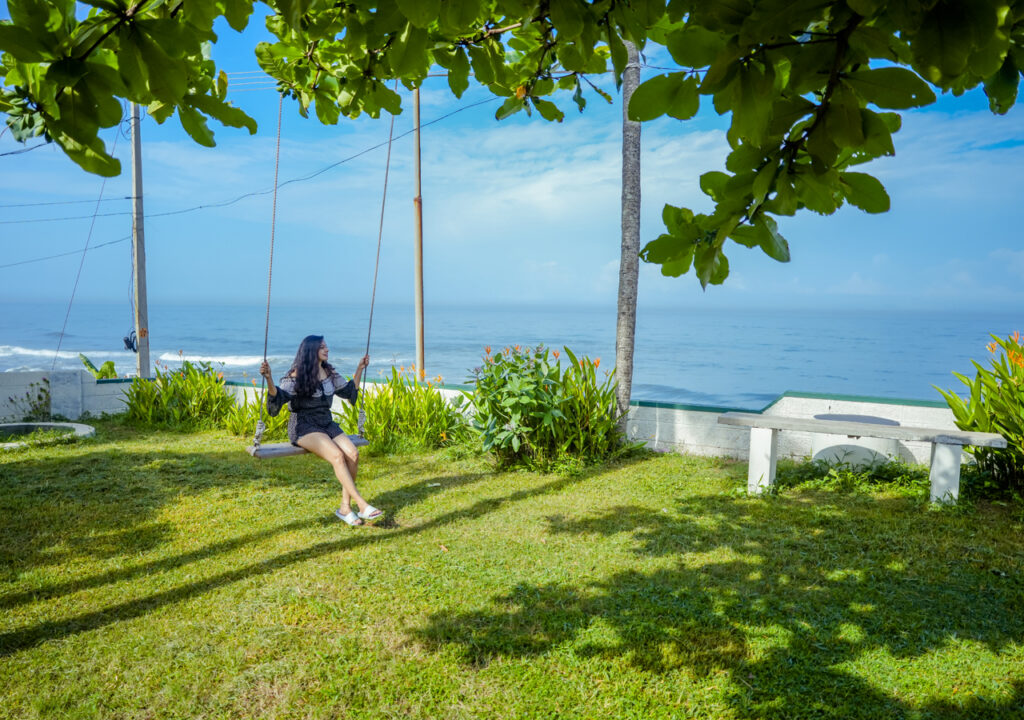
945	472
764	444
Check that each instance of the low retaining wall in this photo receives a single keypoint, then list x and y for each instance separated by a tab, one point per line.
691	429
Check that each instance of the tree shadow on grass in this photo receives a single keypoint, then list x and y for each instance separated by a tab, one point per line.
30	636
783	595
106	502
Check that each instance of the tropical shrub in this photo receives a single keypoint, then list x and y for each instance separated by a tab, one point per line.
190	397
995	403
405	412
241	419
34	405
529	410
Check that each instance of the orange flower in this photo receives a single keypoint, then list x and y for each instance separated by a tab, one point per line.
1016	337
487	349
555	353
517	348
597	363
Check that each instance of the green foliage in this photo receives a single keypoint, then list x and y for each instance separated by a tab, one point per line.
63	75
995	404
105	372
531	411
406	413
803	86
241	419
34	405
190	397
808	86
843	477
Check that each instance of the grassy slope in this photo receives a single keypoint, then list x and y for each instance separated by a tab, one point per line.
163	575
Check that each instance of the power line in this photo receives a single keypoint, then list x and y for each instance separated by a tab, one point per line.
226	203
64	202
60	219
81	264
60	255
24	150
321	171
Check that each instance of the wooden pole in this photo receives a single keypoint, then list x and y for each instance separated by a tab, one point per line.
139	252
418	205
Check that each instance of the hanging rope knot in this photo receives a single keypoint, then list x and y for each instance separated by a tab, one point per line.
260	427
362	420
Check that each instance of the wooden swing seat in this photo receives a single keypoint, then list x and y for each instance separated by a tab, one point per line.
270	451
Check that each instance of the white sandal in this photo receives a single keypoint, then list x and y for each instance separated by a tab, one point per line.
352	519
371	514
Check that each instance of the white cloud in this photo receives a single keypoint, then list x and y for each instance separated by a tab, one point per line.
1012	260
857	284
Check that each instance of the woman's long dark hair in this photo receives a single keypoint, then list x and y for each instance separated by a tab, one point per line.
306	367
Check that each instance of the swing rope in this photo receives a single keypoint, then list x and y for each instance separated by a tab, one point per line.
376	266
261	426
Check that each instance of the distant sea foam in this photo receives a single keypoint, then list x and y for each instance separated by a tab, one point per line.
722	358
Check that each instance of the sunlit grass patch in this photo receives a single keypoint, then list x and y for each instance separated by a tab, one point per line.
171	575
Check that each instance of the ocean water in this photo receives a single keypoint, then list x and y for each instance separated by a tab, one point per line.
740	359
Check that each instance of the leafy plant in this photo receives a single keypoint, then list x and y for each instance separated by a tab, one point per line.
529	410
405	413
192	396
34	405
105	371
844	477
995	404
241	419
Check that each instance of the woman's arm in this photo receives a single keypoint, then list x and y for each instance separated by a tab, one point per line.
359	369
265	372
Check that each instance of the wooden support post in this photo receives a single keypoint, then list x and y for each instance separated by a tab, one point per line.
139	252
418	204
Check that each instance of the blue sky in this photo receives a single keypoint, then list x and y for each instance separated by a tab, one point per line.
517	211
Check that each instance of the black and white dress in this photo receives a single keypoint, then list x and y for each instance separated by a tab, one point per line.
312	413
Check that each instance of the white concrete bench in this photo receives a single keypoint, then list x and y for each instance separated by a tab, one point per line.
947	446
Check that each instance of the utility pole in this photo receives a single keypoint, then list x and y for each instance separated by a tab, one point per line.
418	204
139	252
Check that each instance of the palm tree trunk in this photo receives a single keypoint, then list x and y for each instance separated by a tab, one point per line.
629	265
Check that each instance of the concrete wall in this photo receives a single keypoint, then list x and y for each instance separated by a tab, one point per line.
15	388
661	426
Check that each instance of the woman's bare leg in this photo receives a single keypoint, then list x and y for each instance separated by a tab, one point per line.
351	453
321	445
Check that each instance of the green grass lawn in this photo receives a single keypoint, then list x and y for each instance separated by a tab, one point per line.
161	575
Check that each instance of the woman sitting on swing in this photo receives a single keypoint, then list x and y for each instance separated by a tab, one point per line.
309	388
